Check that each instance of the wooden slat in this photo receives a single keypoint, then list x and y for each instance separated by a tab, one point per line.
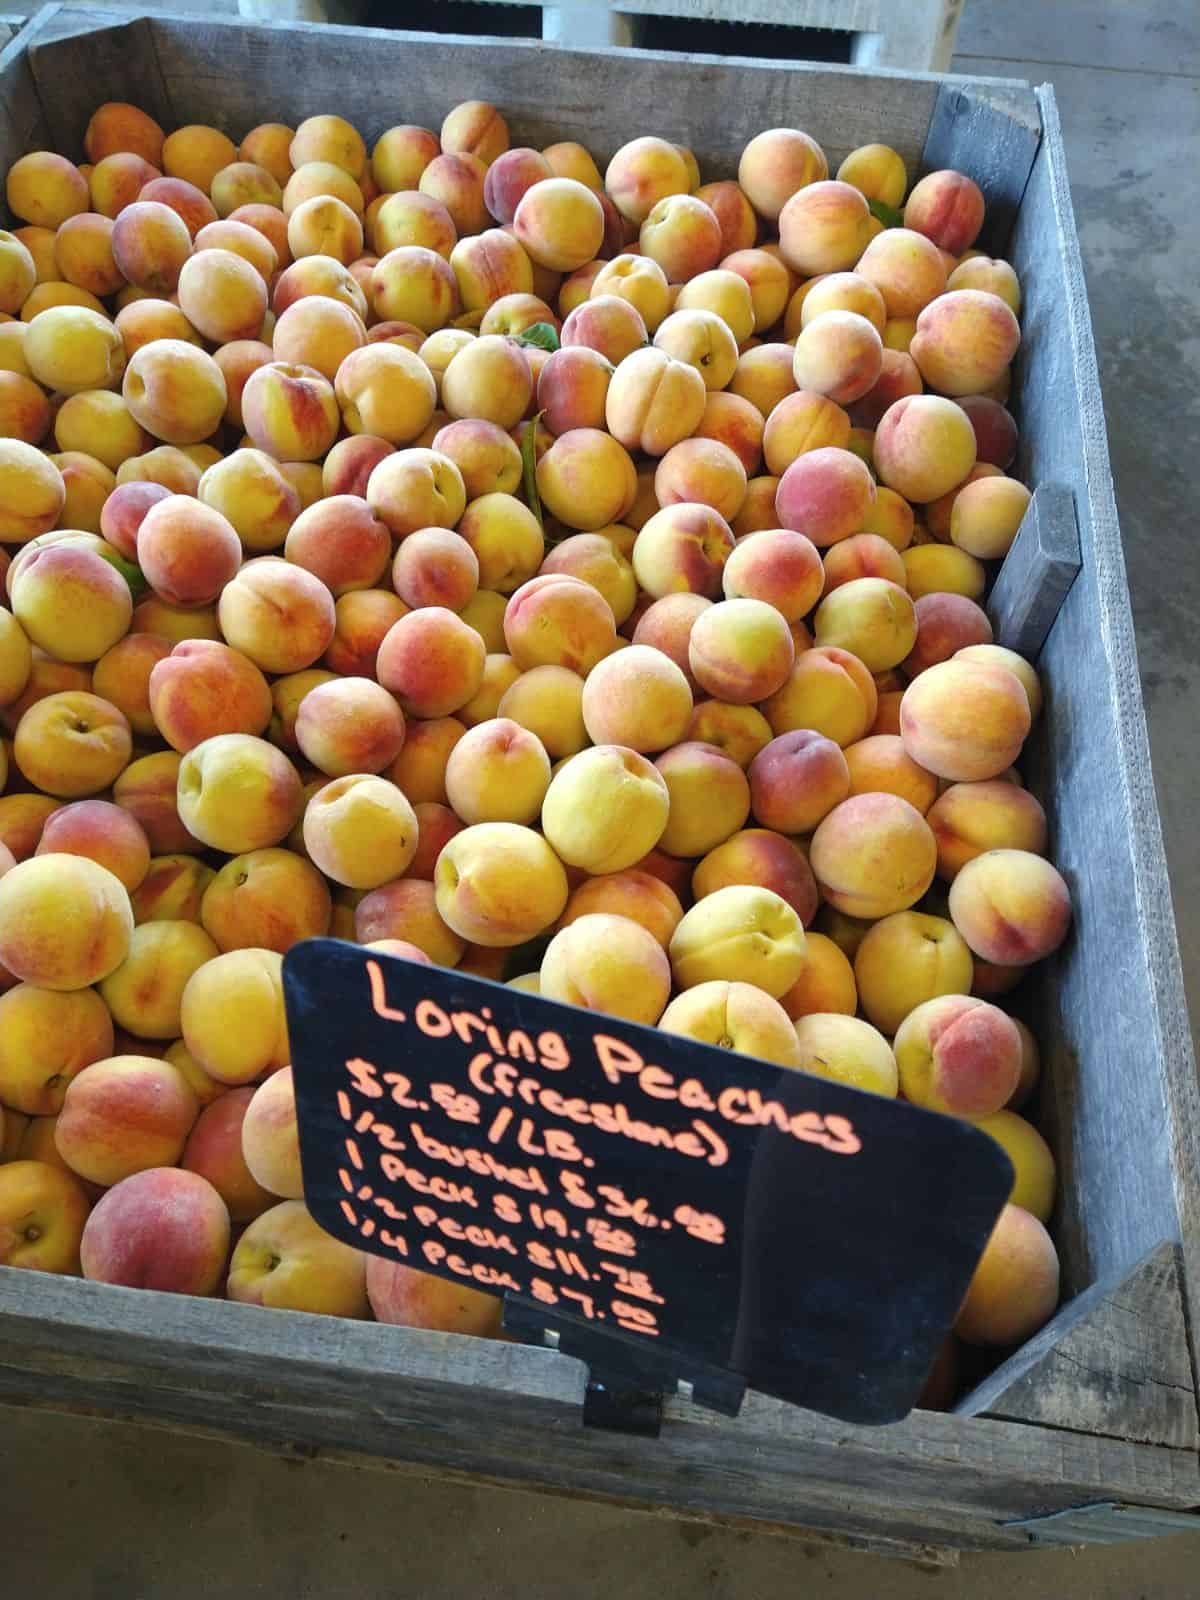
1037	572
1122	1092
510	1413
1115	1360
993	137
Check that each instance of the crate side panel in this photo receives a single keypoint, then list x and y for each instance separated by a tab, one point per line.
83	57
236	76
1114	1026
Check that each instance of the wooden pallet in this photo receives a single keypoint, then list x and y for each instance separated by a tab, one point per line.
1090	1431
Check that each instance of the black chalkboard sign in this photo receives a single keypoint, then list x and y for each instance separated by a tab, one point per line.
702	1212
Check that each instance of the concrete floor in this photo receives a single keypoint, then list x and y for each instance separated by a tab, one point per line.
102	1512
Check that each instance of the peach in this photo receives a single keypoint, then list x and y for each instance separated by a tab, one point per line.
739	934
83	254
46	1040
88	484
840	355
1011	906
318	332
187	551
515	314
739	732
204	688
992	276
246	985
548	701
386	391
505	539
500	672
173	888
237	792
285	1260
778	566
775	165
667	625
597	559
401	154
117	126
318	275
416	488
643	172
43	1211
267	899
324	225
348	466
488	267
316	179
823	227
69	348
825	494
607	324
24	409
16	659
45	189
431	661
133	1113
362	618
576	287
435	567
70	602
995	430
735	217
863	555
47	296
488	378
702	340
853	842
409	219
457	181
40	244
653	401
143	994
437	350
877	171
736	423
637	698
607	963
986	517
436	825
764	375
768	280
499	884
1015	1288
905	960
906	268
350	725
605	808
360	831
709	799
633	895
12	347
871	618
701	472
98	424
475	128
946	624
102	833
165	466
277	614
796	780
22	819
150	244
290	412
213	1154
957	1054
924	446
1034	1184
72	744
269	222
898	376
683	235
722	294
639	282
826	981
965	720
249	494
890	517
762	858
946	207
996	655
509	178
175	391
406	909
741	651
571	160
965	341
560	621
420	768
586	479
847	1050
879	764
413	1299
269	1137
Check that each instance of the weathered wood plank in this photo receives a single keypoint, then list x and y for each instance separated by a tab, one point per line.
23	125
1037	572
1114	1360
510	1413
993	137
77	50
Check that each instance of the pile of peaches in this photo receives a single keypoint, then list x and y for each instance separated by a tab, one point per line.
575	578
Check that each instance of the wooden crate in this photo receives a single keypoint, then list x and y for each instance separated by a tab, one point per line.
1090	1432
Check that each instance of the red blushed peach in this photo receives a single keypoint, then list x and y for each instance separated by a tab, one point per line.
244	183
147	790
856	838
777	163
572	389
642	173
457	181
159	1229
761	858
640	282
739	732
586	479
509	178
558	621
416	488
318	275
22	818
318	332
361	620
906	268
103	833
843	291
823	227
597	558
735	217
799	423
667	626
187	551
709	799
497	772
683	235
277	614
946	207
436	826
407	219
489	266
116	126
637	698
420	769
639	896
825	494
432	662
797	780
237	362
778	566
607	324
409	1298
407	909
840	355
958	1055
741	651
735	423
969	818
898	376
189	203
946	623
768	280
435	567
965	341
24	409
764	376
348	466
683	548
132	1114
351	725
924	447
67	602
701	472
965	720
864	555
214	1153
342	542
270	222
1011	906
290	412
266	899
515	314
995	430
414	284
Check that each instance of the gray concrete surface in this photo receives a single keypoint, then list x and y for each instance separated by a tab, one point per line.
103	1512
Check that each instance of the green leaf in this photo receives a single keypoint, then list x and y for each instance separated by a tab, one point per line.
132	575
888	215
529	462
542	334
